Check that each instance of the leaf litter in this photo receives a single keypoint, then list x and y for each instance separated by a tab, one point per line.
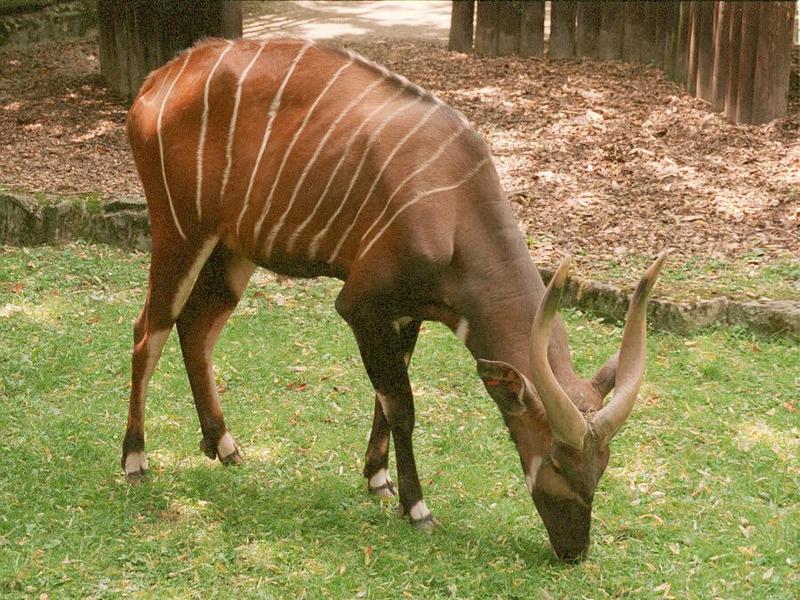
608	161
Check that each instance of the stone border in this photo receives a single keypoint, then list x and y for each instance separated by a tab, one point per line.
768	317
124	223
25	221
55	20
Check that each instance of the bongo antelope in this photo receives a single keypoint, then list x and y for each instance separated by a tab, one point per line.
308	160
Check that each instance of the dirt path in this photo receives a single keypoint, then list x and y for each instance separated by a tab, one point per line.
386	20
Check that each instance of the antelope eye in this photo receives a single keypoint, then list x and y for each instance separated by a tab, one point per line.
555	465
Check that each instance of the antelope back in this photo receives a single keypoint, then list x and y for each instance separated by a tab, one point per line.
299	155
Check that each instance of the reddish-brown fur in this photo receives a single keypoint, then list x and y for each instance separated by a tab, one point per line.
424	232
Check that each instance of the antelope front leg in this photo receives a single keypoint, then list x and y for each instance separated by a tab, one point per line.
384	358
376	464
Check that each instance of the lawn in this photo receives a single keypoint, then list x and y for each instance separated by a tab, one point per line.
701	498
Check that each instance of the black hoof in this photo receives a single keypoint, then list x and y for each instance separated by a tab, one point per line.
234	458
427	523
136	477
208	448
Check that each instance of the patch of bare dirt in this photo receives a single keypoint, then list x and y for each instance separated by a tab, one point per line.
61	131
605	160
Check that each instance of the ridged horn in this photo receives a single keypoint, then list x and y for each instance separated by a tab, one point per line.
632	356
566	421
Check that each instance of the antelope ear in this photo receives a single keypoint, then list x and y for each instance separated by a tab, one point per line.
510	389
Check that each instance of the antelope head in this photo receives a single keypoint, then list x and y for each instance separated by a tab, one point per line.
561	429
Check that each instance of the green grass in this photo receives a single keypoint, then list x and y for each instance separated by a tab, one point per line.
749	277
701	498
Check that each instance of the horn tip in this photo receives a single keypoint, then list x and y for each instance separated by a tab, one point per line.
655	267
560	276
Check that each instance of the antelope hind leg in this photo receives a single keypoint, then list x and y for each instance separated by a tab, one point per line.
173	269
214	297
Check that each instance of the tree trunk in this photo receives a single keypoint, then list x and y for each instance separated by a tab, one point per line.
139	36
691	75
589	19
508	27
486	33
773	61
636	39
531	41
705	49
461	18
612	30
748	47
671	27
734	42
682	44
719	81
562	29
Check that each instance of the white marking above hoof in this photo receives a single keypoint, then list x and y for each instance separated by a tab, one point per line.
135	465
401	323
226	446
381	485
419	511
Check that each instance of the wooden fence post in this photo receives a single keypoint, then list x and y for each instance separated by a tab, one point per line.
748	46
508	27
531	41
486	28
562	29
773	61
612	30
734	40
587	32
705	49
719	80
137	37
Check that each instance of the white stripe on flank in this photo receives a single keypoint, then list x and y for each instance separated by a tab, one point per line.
232	127
422	195
347	148
316	154
203	129
161	143
273	110
375	181
276	228
413	174
373	136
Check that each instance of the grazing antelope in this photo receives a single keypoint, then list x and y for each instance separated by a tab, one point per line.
309	161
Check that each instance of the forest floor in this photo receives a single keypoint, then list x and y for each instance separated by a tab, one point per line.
610	162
